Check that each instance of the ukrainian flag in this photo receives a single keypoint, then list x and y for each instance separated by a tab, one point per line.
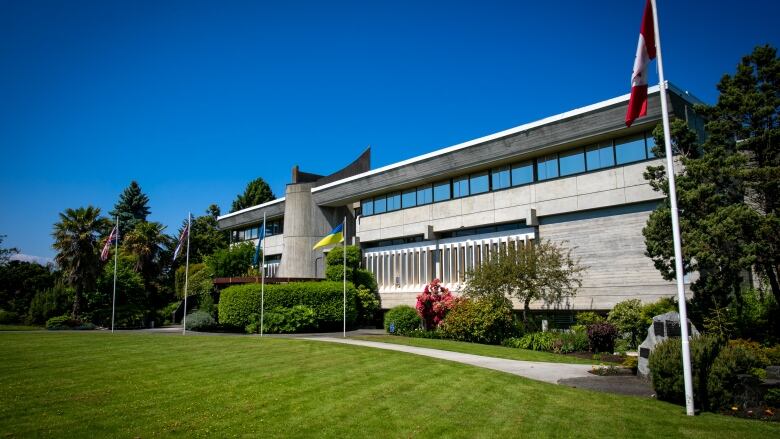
334	237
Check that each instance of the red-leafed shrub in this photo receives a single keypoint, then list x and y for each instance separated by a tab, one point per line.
601	337
433	304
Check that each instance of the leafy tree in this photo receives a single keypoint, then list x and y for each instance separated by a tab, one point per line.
132	208
334	263
206	238
231	262
543	271
146	243
256	192
20	281
76	241
729	188
6	253
627	318
198	282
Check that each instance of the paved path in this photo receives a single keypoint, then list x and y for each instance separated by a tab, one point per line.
547	372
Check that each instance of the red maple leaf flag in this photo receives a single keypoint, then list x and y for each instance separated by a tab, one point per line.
645	51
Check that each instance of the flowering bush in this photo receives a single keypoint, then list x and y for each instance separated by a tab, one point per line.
433	304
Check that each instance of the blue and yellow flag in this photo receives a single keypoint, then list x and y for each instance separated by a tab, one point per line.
334	237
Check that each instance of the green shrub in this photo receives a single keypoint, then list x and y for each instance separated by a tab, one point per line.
773	354
283	320
601	337
65	322
565	342
238	302
198	282
588	318
535	341
8	317
232	261
772	398
51	302
368	305
484	320
200	321
334	265
666	372
631	363
627	318
661	306
737	357
402	320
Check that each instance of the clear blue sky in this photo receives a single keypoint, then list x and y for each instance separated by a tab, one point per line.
193	99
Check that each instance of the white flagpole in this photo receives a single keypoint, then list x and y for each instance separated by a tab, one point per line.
344	236
678	266
262	280
116	252
186	274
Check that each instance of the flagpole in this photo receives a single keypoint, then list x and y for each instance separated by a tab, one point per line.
344	230
116	252
186	273
262	279
678	265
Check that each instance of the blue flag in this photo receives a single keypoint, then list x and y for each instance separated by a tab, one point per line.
261	235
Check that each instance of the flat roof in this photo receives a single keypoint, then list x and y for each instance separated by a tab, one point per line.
508	132
249	209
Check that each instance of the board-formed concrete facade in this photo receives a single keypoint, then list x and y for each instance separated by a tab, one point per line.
575	178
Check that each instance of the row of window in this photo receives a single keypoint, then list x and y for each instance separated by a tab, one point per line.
275	227
575	161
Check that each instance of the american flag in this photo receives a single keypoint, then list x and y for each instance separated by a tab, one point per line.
112	238
181	240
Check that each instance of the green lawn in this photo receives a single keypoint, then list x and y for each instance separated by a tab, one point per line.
95	384
20	328
478	349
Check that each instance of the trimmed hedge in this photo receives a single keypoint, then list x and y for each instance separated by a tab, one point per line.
403	319
239	302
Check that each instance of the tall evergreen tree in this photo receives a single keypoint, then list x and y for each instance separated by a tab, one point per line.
76	239
256	192
729	189
132	208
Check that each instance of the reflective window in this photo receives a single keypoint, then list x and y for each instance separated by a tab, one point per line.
479	183
650	140
367	206
424	195
500	177
380	204
409	198
522	173
630	149
393	201
600	156
572	162
441	191
547	167
460	187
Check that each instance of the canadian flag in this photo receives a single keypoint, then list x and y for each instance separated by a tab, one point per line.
645	51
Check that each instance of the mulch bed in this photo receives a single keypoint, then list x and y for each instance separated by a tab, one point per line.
605	358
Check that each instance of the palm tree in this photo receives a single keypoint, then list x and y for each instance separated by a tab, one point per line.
146	242
76	239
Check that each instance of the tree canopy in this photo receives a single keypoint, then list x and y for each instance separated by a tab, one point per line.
544	271
256	192
729	188
6	253
132	208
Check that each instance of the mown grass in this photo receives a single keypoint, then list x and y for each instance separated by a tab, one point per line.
478	349
20	328
95	384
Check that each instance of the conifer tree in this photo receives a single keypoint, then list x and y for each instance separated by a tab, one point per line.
132	208
256	192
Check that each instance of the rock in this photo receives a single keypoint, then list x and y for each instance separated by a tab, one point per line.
664	326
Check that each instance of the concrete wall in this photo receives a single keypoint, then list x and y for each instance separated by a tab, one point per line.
610	187
610	242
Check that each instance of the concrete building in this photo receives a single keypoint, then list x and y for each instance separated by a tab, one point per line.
576	177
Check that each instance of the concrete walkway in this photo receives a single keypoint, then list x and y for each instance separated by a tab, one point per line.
547	372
